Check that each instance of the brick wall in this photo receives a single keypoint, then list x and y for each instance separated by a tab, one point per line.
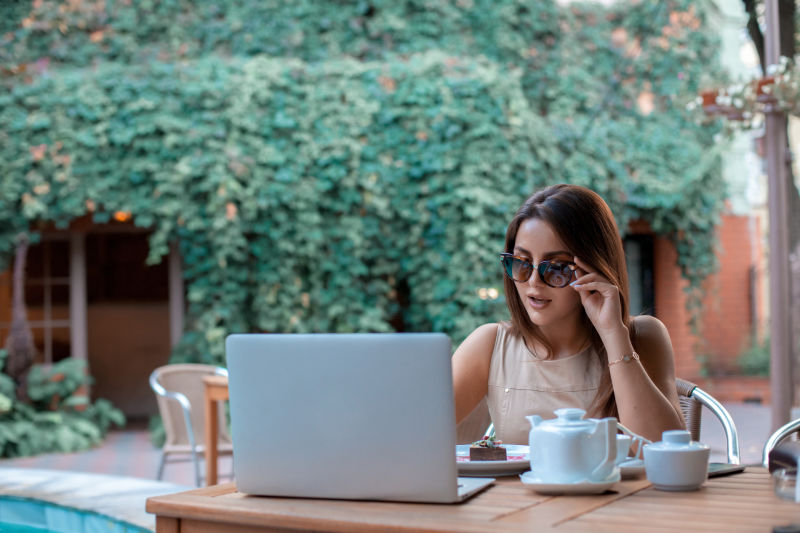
732	299
732	303
670	307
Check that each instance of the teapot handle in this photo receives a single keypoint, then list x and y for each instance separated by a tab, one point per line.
604	469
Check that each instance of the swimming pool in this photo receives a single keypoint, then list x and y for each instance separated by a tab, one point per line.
22	515
50	501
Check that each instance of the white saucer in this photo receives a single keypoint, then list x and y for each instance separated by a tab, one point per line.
631	468
585	487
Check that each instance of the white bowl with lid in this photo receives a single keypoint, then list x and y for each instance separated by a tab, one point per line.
676	463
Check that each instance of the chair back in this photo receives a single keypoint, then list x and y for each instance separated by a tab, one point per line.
185	380
690	406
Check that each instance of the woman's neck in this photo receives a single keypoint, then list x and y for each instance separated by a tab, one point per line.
565	339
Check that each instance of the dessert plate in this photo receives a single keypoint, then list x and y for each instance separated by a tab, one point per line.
517	461
586	487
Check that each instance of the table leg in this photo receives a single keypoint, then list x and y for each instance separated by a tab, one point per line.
165	524
212	431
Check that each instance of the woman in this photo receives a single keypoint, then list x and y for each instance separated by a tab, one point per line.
570	341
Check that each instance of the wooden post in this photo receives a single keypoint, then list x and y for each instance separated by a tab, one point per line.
778	200
78	331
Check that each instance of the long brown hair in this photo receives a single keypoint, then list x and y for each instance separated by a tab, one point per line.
585	224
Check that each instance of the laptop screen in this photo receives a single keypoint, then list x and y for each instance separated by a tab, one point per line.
357	416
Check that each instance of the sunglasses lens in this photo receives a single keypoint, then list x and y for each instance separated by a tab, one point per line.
555	274
517	269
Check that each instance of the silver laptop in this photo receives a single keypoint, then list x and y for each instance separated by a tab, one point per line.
350	416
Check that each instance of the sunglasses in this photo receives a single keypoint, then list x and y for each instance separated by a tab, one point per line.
556	274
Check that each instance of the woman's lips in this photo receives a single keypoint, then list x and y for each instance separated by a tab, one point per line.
537	303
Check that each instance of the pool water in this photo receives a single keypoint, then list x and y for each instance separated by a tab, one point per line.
15	528
22	515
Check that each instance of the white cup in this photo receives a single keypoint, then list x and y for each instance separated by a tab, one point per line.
623	448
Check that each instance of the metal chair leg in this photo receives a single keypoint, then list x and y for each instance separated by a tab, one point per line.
161	466
197	477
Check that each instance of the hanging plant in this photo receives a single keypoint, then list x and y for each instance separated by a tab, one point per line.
745	104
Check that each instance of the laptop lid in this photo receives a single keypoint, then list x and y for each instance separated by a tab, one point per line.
352	416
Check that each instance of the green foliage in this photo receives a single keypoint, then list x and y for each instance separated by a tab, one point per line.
339	166
755	360
59	418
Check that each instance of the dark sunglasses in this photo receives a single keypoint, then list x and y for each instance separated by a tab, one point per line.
556	274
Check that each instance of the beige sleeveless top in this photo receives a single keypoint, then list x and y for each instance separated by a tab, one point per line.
520	384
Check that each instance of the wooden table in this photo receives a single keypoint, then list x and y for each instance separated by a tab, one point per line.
742	502
216	390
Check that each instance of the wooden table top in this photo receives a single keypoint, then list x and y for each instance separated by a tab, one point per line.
742	502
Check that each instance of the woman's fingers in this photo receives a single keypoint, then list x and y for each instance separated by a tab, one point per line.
601	286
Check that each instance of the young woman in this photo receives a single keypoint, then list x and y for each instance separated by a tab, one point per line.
570	341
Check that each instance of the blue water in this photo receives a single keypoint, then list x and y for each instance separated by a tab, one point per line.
22	515
15	528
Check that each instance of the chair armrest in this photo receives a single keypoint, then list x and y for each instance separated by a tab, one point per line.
780	434
725	419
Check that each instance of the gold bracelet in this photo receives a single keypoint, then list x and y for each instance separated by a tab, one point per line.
625	359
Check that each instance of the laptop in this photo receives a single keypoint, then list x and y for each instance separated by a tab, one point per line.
345	416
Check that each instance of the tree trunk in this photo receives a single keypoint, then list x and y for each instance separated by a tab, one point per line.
19	344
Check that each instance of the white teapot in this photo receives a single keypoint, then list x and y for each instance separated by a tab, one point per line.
569	449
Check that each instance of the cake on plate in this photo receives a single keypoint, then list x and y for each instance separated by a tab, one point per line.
487	449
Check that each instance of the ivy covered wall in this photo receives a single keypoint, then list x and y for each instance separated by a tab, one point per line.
350	166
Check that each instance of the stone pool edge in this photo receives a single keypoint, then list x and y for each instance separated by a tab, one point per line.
118	497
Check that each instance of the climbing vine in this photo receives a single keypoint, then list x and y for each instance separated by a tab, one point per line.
340	166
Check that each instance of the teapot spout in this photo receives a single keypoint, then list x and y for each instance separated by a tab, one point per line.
535	420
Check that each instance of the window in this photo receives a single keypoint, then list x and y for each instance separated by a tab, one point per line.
47	285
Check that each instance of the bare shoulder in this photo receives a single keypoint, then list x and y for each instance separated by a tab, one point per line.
471	363
648	332
481	340
651	341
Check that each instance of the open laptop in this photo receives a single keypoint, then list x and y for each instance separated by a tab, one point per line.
349	416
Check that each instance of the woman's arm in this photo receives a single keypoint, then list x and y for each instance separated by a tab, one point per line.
644	389
471	369
645	392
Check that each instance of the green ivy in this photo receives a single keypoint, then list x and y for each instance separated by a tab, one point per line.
340	166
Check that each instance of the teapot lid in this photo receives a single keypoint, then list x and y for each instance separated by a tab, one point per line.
570	416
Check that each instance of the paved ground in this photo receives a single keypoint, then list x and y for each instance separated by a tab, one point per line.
130	453
123	453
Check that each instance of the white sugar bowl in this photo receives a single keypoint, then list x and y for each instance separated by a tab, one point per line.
676	462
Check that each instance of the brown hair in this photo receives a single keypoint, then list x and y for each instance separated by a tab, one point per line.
585	224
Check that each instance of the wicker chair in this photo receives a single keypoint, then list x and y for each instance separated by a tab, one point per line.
180	393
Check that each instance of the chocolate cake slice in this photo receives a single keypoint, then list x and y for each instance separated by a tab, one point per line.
487	449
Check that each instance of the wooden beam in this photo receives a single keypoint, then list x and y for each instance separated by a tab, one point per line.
778	200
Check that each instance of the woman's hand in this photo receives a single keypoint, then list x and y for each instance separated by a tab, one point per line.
600	299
